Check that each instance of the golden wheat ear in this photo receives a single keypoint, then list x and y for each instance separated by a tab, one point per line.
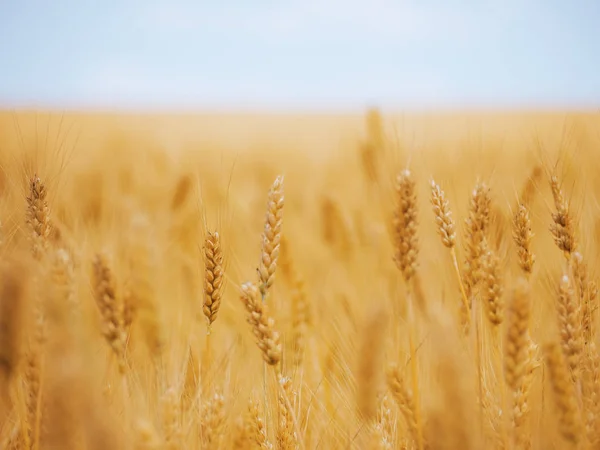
406	242
517	335
38	217
263	325
111	309
405	226
565	400
492	289
569	325
256	426
522	236
443	215
563	226
286	436
476	228
212	419
271	237
213	276
447	231
404	399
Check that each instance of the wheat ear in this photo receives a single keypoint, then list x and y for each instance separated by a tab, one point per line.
38	217
446	229
569	326
213	284
111	309
564	394
562	228
522	236
271	237
406	251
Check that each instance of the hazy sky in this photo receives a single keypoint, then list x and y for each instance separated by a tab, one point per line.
302	54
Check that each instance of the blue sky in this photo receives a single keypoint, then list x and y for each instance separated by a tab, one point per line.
303	54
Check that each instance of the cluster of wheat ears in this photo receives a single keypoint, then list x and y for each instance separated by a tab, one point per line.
98	349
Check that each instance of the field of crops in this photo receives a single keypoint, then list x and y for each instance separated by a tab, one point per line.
299	281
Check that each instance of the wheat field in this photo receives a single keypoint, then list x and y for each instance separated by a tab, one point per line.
418	281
